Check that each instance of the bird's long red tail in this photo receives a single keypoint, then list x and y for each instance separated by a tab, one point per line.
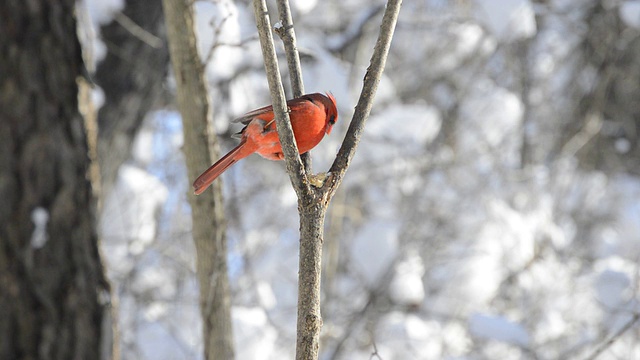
203	181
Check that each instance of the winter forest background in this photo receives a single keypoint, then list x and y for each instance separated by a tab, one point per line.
492	210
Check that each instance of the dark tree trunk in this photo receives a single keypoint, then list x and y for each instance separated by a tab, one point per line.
132	77
51	277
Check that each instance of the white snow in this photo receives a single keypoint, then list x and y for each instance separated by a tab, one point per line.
218	24
407	336
406	287
254	337
92	14
40	218
327	74
132	219
498	328
162	344
493	113
304	6
102	11
415	124
468	40
267	298
613	282
630	13
611	286
508	19
374	249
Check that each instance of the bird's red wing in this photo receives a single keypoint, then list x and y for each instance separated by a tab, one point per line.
246	118
267	111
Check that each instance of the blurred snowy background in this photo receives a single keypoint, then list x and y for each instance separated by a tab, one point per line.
492	210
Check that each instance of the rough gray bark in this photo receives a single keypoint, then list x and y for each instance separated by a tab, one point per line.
309	321
288	36
313	201
132	77
53	291
200	149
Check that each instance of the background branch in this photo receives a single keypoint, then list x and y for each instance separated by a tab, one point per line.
200	147
605	345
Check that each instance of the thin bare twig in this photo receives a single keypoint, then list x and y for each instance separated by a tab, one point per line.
137	31
216	35
605	345
363	108
295	168
375	352
356	28
238	44
288	36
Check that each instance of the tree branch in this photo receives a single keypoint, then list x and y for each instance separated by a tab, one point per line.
295	168
605	345
363	108
313	202
288	36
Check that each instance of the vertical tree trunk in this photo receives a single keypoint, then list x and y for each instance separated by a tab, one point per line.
309	317
51	279
207	211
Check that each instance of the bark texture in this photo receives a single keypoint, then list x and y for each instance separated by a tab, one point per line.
51	277
201	149
309	321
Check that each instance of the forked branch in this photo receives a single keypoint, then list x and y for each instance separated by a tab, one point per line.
313	201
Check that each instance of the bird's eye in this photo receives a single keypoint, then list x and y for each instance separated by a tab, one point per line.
332	119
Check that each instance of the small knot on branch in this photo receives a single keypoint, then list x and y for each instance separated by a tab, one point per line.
313	323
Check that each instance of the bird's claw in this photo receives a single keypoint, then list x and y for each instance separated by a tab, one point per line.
317	180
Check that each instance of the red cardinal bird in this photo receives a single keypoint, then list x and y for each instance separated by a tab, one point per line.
311	115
